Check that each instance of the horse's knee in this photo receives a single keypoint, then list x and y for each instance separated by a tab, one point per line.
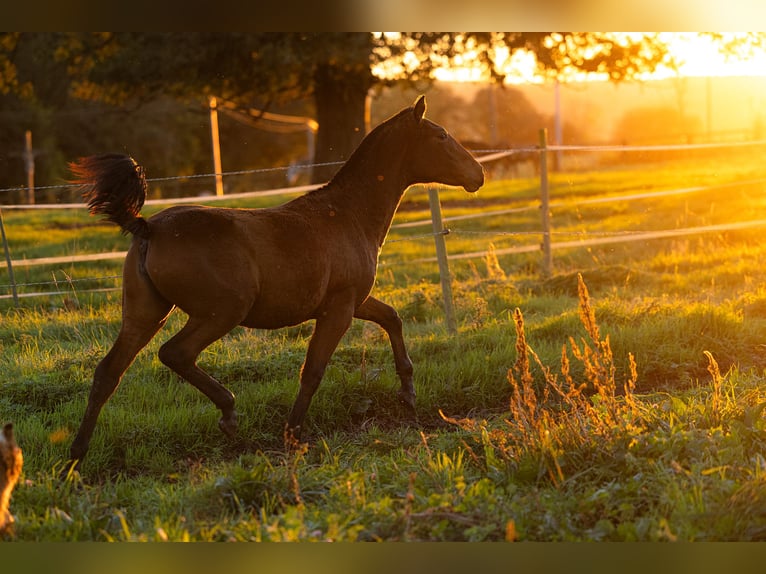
183	362
391	321
170	356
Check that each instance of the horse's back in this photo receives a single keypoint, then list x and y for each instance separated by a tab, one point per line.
271	266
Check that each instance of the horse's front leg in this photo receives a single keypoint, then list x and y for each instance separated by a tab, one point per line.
386	316
330	327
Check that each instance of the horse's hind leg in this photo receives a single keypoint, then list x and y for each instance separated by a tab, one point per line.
386	316
144	312
180	354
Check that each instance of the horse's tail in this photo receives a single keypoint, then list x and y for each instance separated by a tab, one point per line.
113	185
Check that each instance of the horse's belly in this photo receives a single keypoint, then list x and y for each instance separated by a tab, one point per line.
283	301
276	317
284	304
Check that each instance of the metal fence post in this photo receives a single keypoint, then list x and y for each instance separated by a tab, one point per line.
441	256
8	261
545	204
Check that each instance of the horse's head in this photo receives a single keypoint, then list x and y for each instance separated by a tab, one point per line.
437	157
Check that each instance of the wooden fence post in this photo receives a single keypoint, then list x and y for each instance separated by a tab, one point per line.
216	145
8	261
441	256
545	205
29	165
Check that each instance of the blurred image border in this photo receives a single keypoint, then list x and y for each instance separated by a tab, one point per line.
383	558
401	15
427	15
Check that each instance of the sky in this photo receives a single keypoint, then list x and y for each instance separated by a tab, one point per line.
701	57
697	54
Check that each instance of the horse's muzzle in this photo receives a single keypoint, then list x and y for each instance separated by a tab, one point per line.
475	183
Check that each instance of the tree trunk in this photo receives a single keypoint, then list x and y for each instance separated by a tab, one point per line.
340	95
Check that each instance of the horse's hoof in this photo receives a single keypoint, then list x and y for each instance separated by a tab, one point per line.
228	424
407	399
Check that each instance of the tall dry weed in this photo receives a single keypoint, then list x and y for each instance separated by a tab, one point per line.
559	413
717	384
523	396
494	270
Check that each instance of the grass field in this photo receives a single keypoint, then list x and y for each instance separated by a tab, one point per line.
620	398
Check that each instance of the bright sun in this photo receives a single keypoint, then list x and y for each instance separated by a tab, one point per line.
696	54
699	55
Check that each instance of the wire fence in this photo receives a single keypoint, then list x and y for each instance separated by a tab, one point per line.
582	238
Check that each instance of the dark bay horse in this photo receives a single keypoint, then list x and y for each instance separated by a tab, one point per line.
314	257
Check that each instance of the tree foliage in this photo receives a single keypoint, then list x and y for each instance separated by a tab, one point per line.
335	71
556	54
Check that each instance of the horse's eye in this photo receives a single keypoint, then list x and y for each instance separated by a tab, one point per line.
443	136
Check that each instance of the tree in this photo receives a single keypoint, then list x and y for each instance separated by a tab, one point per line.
415	57
336	70
39	92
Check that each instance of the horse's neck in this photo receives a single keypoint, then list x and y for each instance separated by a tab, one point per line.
370	193
373	180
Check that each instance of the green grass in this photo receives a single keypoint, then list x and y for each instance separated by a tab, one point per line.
509	442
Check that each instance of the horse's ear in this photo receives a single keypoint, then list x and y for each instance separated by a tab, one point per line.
420	108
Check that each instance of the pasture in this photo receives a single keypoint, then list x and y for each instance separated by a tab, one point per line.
621	398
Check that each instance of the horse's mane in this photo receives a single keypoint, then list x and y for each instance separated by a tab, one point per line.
371	141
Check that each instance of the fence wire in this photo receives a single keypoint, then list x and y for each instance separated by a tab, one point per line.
168	178
599	237
490	155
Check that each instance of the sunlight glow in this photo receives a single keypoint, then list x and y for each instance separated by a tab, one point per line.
696	54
